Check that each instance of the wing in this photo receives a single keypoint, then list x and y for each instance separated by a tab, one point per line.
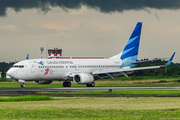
128	69
124	70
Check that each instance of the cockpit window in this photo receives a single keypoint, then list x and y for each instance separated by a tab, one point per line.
18	66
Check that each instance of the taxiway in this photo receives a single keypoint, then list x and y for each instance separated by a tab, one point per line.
34	91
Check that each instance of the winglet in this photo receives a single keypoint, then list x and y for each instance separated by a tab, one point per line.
27	57
169	62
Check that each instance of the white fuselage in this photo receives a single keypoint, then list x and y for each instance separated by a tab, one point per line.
59	69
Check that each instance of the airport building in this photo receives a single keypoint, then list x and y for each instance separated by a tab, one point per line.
57	54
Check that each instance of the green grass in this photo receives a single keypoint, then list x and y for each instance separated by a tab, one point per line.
96	108
122	78
131	78
89	114
24	98
93	109
102	83
5	80
120	92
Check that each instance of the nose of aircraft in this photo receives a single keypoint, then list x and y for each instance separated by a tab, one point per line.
10	72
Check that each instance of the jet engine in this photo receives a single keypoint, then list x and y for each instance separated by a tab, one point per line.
43	82
83	78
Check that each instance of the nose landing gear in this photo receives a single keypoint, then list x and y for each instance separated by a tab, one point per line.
22	85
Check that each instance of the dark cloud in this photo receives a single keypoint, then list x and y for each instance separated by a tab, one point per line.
105	6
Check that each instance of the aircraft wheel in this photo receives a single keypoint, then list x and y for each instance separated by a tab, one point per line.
68	84
22	85
64	84
91	84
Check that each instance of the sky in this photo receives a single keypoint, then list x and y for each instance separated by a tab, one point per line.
88	27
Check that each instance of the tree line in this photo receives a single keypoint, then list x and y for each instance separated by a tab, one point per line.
172	70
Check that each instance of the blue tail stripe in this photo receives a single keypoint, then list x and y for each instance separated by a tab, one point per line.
131	52
131	40
126	51
133	43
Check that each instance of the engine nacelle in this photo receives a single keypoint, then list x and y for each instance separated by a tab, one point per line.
83	78
43	82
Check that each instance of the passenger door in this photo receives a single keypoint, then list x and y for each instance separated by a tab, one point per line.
33	68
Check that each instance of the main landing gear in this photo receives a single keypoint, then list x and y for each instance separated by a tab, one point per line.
66	84
22	85
91	84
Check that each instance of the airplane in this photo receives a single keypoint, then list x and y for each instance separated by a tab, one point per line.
82	71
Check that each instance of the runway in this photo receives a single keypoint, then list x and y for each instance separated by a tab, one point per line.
34	91
57	89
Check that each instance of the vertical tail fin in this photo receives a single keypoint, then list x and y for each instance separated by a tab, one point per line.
132	46
130	51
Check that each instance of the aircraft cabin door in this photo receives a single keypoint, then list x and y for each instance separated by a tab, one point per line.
33	68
